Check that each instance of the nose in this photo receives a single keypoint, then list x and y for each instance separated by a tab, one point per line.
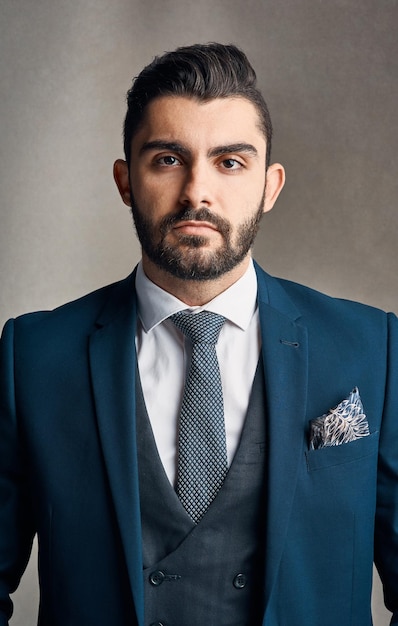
197	187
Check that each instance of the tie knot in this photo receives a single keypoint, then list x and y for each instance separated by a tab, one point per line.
203	327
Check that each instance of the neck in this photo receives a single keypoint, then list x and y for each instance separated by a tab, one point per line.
193	292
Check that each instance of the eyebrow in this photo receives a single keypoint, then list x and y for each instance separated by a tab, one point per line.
234	147
172	146
213	152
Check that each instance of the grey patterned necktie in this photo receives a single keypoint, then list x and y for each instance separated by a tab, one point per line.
202	450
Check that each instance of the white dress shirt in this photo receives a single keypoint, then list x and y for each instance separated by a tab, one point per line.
163	357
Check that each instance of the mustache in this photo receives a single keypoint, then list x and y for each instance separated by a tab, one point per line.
188	214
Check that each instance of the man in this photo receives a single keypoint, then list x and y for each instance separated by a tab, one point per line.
272	512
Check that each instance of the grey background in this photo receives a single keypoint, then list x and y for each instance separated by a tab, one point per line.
328	69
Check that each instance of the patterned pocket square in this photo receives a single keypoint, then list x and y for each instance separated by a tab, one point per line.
346	422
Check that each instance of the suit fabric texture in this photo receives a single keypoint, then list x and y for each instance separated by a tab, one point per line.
69	470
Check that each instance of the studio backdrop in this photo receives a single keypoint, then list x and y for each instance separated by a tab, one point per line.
328	70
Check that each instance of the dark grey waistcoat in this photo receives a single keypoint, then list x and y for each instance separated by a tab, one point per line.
210	573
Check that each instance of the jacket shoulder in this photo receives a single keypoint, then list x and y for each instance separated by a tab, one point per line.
80	314
307	298
321	312
312	302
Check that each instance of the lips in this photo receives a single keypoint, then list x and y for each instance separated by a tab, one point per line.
195	227
200	222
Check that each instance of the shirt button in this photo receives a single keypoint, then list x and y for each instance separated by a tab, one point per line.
156	579
239	581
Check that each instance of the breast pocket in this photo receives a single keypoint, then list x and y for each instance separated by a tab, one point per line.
344	453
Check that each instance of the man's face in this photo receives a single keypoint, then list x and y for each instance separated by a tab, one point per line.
197	183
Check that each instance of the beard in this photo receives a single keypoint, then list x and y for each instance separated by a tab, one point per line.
188	259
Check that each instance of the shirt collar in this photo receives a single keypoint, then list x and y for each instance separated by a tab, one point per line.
237	303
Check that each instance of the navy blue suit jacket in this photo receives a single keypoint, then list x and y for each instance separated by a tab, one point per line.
68	461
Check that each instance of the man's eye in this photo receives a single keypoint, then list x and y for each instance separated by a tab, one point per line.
231	164
168	161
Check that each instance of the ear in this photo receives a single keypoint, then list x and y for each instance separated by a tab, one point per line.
275	179
122	180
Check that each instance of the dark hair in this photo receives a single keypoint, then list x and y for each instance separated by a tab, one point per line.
202	71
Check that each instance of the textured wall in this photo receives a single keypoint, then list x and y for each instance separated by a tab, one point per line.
329	73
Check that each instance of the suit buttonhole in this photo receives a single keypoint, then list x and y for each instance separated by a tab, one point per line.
292	344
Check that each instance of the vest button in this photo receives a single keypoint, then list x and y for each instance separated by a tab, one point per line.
239	581
156	579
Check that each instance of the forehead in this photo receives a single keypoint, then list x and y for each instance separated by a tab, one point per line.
197	123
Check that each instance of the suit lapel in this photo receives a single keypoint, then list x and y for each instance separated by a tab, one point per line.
113	363
284	349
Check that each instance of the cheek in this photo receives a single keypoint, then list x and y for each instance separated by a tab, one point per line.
250	210
156	197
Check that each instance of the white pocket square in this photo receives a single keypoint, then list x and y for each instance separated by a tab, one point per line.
346	422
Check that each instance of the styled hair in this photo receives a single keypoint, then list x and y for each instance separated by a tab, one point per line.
201	71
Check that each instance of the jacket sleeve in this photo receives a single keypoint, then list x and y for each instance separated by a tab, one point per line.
386	531
16	527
